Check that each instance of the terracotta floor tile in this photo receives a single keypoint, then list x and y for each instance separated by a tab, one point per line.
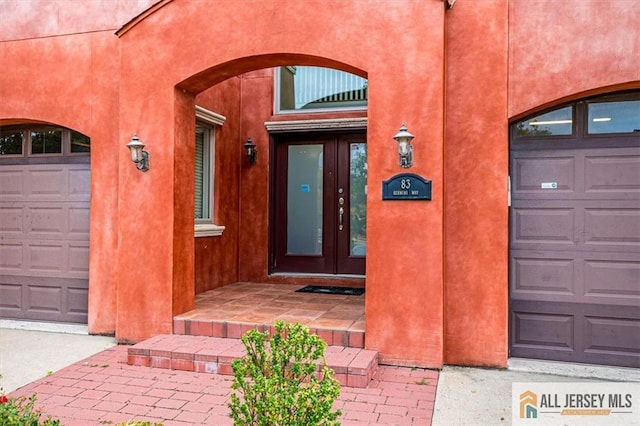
264	303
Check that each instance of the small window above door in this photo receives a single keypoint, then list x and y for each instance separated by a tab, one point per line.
315	89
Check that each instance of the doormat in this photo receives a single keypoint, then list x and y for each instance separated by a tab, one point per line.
348	291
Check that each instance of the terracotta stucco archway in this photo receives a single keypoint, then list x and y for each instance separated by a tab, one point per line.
206	42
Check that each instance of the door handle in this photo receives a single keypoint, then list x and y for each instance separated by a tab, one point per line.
340	218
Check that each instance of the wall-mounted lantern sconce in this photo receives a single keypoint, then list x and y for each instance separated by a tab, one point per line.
138	155
405	149
252	151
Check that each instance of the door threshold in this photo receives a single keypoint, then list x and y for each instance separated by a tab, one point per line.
571	369
311	275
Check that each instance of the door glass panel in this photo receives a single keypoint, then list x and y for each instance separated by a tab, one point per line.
614	117
304	199
358	198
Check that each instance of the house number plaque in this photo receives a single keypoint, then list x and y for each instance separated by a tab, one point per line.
406	186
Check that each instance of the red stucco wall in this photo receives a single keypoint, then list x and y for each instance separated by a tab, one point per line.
80	94
216	258
566	50
476	163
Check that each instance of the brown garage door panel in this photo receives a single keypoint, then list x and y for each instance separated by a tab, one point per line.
550	226
591	333
532	169
615	175
43	298
600	173
542	278
578	277
578	225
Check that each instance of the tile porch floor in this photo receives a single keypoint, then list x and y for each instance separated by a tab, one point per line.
231	310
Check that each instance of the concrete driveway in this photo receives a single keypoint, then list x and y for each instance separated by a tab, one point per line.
29	351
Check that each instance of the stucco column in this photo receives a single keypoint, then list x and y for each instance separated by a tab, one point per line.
476	157
155	253
404	238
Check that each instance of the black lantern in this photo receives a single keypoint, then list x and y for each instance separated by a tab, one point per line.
252	151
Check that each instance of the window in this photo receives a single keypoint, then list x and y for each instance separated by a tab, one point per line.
46	140
11	141
558	122
204	177
614	117
304	88
34	140
80	142
206	124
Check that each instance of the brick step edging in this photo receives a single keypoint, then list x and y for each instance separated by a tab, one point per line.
234	330
353	367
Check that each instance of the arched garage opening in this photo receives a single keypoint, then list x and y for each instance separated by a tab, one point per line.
44	212
575	232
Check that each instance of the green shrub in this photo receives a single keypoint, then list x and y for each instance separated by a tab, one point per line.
22	412
280	385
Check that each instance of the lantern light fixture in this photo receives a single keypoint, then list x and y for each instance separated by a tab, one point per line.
138	155
252	151
405	149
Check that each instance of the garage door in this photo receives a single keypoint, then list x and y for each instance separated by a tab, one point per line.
575	236
44	238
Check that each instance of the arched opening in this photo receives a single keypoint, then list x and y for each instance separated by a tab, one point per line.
239	278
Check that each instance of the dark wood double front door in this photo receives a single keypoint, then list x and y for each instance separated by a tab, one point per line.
319	187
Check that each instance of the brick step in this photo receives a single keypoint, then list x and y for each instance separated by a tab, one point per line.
353	367
352	338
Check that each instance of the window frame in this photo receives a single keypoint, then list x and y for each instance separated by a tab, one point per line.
580	137
211	122
27	153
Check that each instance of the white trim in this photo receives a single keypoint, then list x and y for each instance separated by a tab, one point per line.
209	117
320	124
212	119
208	230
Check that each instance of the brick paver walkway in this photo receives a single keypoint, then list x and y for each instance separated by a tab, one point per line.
103	389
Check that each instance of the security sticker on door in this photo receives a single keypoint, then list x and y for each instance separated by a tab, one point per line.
549	185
